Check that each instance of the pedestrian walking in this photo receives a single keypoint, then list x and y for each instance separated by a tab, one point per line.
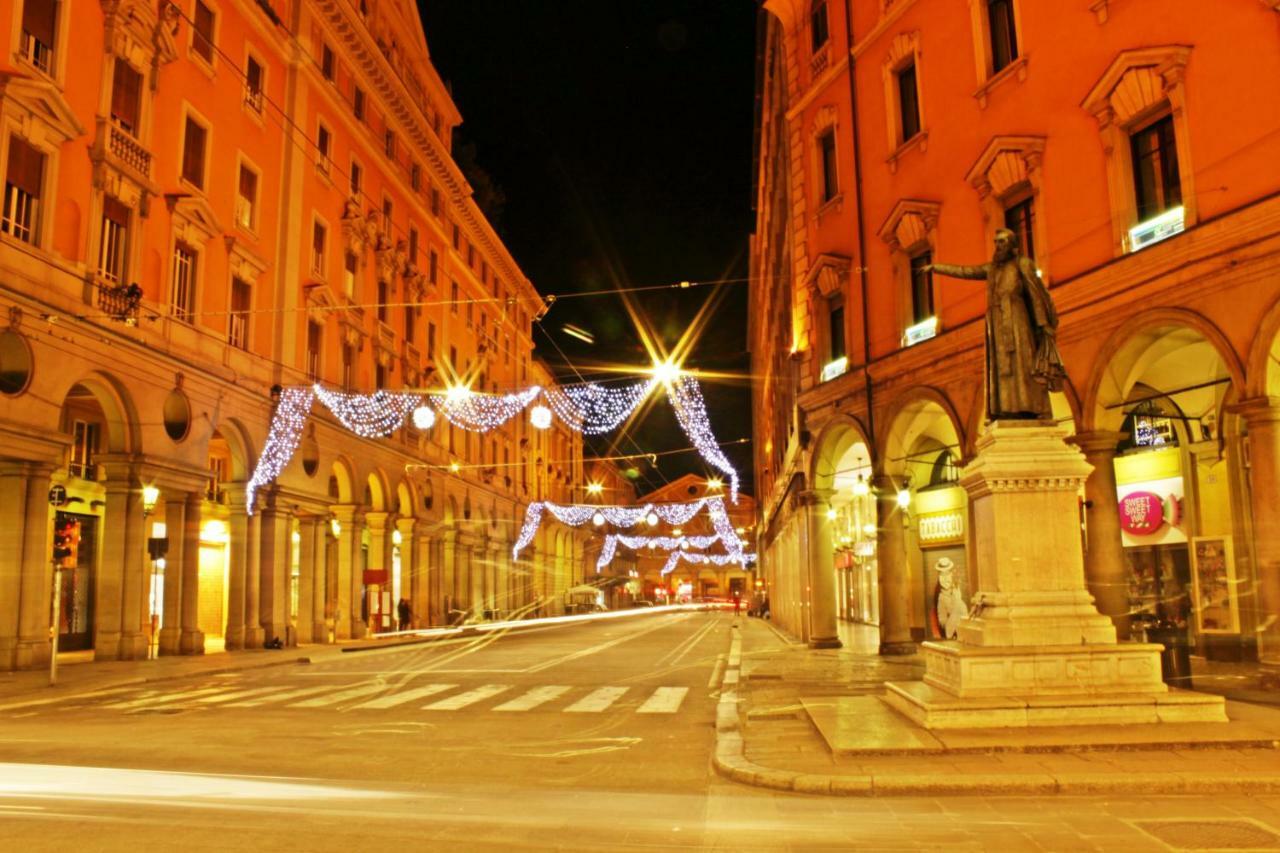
405	614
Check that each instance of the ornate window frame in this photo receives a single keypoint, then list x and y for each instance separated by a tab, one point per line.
825	122
1010	170
1139	86
904	50
988	77
827	281
911	226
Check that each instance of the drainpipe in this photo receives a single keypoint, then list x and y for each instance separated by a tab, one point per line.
862	223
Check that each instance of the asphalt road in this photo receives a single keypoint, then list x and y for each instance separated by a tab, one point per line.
594	736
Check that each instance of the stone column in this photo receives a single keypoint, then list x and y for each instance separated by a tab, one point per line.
1262	415
319	580
273	581
175	529
192	639
891	562
359	562
253	634
237	565
125	547
345	616
477	570
421	580
34	608
307	556
13	513
408	568
1105	569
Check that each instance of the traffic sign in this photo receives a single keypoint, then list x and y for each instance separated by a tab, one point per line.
57	495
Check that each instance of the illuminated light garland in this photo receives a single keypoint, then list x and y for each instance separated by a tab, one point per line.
691	412
576	515
374	415
593	409
540	417
705	559
291	415
482	412
666	543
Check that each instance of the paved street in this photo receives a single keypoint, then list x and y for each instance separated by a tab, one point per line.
579	737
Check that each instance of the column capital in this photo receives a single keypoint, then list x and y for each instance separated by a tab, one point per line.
1263	409
1098	442
816	497
376	521
405	525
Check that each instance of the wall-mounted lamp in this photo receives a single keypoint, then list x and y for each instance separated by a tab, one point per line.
396	537
904	498
335	527
150	494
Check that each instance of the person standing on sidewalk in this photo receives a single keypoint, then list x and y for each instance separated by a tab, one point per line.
405	613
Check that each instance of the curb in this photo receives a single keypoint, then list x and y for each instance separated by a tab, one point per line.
730	761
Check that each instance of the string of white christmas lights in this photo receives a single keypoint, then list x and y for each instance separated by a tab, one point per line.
576	515
482	412
666	543
713	559
374	415
291	415
691	412
594	409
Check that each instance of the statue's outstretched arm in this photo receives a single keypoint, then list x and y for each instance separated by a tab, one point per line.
978	272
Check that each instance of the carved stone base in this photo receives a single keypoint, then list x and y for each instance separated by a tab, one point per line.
968	672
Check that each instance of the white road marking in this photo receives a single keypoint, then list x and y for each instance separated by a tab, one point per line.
340	696
156	697
665	700
596	701
535	697
401	698
237	694
277	697
462	700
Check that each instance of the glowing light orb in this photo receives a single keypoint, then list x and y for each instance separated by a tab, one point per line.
597	519
424	418
540	417
666	372
652	519
457	394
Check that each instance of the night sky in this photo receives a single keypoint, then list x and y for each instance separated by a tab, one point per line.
618	135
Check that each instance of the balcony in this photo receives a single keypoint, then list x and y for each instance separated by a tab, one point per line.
37	53
120	302
127	150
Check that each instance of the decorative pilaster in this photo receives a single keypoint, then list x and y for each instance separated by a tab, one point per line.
192	638
37	571
821	570
237	567
1262	416
307	554
175	528
1104	566
891	562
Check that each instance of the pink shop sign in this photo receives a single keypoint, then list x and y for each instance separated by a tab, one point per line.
1142	513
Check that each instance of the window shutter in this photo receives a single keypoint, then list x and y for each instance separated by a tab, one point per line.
40	19
193	154
26	167
248	184
126	90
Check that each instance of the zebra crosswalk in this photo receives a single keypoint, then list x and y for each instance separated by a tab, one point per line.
381	696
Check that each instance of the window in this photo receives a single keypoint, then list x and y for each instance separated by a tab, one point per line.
433	266
471	255
39	26
1004	39
382	301
247	199
319	242
431	340
1157	185
453	298
379	376
114	240
326	62
921	287
84	447
253	75
413	245
471	313
348	366
435	202
324	143
315	336
357	177
350	264
241	304
415	177
410	320
357	103
835	317
1020	219
457	237
24	180
194	141
182	300
387	209
908	102
126	97
827	162
202	32
818	24
389	144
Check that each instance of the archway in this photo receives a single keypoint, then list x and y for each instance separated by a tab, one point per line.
1162	388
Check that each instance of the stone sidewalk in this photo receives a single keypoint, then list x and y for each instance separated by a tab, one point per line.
809	720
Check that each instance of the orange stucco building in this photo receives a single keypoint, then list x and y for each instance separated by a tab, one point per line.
1131	147
204	201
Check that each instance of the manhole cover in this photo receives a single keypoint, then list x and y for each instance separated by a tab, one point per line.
1212	834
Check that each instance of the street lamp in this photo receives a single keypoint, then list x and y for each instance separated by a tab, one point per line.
150	494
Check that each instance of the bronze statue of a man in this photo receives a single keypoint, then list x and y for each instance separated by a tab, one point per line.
1023	364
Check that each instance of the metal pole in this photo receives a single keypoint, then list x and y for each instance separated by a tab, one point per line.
57	610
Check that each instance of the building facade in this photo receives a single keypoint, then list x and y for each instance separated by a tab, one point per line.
225	199
1127	146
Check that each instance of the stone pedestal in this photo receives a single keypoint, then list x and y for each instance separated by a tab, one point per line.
1035	650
